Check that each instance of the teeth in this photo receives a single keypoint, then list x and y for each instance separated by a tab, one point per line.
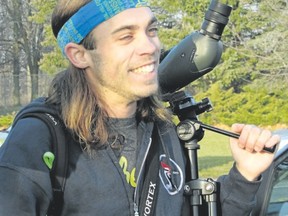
144	70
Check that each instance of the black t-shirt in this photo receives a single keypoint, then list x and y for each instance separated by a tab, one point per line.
123	141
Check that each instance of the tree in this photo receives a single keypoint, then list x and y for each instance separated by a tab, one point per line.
258	52
271	45
23	44
10	42
255	51
53	60
254	39
255	43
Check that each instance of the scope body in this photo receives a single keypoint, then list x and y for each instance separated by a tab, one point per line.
196	54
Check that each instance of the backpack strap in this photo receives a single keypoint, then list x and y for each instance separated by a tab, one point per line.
60	164
150	189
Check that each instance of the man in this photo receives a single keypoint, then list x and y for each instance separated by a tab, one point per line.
124	155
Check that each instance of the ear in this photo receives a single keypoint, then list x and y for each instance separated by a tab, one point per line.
77	55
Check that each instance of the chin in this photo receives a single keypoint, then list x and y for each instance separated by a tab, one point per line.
147	91
152	93
153	90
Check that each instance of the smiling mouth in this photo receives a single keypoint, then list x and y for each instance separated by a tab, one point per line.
145	69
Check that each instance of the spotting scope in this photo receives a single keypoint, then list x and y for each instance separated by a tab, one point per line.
196	54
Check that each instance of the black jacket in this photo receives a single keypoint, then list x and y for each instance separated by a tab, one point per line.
97	186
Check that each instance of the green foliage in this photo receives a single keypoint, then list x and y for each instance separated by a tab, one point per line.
249	83
253	106
6	120
52	61
43	10
186	14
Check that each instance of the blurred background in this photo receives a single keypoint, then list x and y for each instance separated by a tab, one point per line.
249	85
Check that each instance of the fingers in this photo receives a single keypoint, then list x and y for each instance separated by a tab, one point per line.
261	141
274	140
249	137
253	138
237	127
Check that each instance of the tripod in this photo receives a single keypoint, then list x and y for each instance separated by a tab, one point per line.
190	132
202	192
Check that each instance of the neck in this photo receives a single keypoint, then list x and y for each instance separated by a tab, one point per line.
121	110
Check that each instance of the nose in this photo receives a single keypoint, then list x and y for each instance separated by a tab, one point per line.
148	45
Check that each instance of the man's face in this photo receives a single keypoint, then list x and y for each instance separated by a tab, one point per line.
126	59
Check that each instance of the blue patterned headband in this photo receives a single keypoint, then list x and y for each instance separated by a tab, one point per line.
91	15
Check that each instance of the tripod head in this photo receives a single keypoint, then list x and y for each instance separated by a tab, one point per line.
186	108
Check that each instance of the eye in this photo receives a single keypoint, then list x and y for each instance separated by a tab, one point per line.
153	30
126	37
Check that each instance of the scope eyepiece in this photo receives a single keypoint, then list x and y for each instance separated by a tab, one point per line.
216	18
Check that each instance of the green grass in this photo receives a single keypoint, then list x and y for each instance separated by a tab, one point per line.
214	156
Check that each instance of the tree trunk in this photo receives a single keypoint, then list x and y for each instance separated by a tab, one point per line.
16	54
34	85
16	76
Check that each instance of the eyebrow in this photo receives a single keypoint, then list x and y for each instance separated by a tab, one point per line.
133	27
